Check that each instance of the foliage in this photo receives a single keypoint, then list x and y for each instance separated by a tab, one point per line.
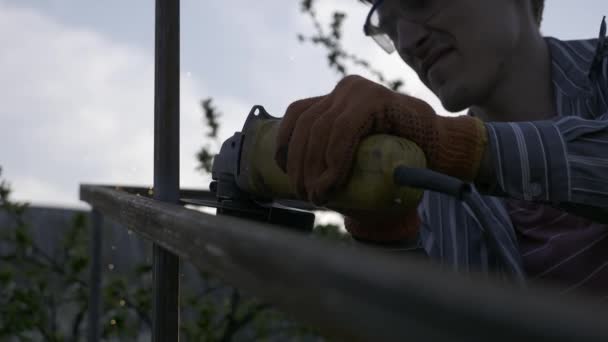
210	119
38	288
34	285
217	312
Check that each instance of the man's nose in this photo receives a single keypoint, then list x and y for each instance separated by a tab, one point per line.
411	38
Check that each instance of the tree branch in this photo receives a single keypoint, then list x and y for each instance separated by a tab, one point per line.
78	322
337	56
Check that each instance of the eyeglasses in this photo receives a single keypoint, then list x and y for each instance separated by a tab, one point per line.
382	30
372	29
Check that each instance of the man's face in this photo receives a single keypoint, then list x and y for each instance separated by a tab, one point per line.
462	49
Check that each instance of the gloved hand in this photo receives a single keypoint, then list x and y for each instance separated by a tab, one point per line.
318	137
370	226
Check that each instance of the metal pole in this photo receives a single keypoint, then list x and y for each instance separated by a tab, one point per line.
95	276
166	164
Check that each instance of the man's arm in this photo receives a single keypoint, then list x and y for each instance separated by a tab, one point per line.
560	162
563	161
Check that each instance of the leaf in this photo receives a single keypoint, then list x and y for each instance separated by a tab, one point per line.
339	59
23	239
205	158
142	269
306	5
211	117
78	264
6	276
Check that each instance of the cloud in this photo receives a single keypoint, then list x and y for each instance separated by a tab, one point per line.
78	107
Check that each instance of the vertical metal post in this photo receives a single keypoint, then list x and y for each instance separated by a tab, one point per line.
95	276
166	163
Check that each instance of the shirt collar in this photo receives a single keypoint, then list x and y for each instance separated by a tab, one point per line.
575	63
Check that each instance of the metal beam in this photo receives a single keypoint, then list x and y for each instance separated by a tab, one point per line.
166	164
148	192
351	292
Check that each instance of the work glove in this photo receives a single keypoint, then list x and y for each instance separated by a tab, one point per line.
382	227
318	137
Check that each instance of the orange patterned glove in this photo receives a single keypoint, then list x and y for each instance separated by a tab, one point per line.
318	136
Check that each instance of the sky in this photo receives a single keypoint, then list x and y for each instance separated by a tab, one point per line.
76	89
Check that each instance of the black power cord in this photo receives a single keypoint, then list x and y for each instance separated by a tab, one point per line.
438	182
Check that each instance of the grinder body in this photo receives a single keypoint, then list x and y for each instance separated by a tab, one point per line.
370	187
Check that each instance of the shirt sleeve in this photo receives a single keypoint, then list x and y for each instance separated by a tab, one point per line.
604	78
561	161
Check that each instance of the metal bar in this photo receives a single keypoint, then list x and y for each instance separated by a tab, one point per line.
166	164
206	195
95	276
148	191
355	293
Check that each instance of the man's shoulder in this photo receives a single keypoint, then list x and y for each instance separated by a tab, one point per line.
580	67
580	59
578	51
589	44
586	47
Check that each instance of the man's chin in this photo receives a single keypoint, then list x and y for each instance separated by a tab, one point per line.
453	98
453	101
455	106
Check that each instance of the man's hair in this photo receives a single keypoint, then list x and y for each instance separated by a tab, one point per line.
538	7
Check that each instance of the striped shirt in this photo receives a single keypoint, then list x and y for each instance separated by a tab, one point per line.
540	167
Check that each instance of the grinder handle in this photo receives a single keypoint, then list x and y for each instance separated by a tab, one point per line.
371	184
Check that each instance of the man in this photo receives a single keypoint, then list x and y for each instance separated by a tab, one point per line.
535	142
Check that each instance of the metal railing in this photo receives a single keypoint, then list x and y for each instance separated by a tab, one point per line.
351	292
